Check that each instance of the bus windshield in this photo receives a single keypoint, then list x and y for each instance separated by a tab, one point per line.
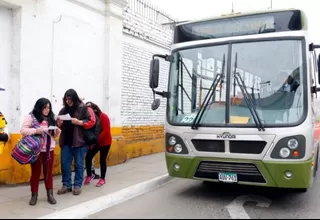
261	83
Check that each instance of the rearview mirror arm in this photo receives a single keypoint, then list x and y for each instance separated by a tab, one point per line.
314	89
162	94
165	57
313	46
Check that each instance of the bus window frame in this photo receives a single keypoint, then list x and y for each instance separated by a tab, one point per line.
229	42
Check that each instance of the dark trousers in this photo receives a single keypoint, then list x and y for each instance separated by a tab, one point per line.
103	159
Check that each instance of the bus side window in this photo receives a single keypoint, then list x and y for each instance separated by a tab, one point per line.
313	68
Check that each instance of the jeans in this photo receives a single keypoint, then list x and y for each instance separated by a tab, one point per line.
67	155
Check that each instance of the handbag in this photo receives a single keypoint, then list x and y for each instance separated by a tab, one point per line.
27	150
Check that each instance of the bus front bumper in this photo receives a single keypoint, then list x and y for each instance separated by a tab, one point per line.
273	173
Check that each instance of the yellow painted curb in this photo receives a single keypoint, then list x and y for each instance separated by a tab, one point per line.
128	142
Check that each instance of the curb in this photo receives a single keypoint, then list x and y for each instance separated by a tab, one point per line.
96	205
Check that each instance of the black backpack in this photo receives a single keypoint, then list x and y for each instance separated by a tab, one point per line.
91	135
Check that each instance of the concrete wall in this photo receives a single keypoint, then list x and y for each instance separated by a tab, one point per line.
143	37
6	19
102	49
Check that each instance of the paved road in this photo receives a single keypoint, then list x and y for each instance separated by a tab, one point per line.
186	199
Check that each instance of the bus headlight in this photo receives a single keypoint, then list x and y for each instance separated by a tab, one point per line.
290	147
284	152
175	144
293	144
178	148
172	141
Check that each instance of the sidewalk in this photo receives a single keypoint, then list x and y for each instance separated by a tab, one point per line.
14	200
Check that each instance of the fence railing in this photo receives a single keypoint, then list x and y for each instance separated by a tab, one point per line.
149	11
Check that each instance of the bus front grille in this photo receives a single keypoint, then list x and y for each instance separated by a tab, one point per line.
247	147
246	172
236	147
208	145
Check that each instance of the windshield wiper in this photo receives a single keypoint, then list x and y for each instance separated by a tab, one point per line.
211	92
247	97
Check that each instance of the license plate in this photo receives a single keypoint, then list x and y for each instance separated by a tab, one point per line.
228	177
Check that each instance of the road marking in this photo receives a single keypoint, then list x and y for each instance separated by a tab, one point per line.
96	205
236	209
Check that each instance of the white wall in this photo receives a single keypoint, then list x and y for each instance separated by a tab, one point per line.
6	17
55	45
78	54
89	45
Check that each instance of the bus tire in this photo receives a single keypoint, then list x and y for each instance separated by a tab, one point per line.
316	160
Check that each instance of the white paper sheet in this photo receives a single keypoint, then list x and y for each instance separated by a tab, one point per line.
52	127
66	117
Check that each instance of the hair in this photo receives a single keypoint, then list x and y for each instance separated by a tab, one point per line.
95	108
290	79
71	93
37	112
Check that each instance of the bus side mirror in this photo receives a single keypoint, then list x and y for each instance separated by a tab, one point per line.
154	74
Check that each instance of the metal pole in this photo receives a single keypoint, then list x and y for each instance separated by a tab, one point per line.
270	4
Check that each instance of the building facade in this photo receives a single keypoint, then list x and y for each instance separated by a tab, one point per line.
102	49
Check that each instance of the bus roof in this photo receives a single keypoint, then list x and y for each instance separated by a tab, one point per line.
241	24
239	14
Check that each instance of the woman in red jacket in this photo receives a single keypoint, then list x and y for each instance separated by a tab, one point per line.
103	145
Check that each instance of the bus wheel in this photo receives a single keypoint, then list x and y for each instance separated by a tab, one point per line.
316	163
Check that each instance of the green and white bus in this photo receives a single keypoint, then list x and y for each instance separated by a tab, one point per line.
241	100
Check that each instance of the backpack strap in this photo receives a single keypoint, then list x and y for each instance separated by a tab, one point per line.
35	123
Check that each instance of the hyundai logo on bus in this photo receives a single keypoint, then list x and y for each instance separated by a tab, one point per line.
226	135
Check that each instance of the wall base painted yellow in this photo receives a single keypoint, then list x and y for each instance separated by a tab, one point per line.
128	142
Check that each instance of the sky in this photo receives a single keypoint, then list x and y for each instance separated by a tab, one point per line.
196	9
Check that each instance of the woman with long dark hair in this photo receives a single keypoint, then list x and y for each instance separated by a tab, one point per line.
42	112
103	146
72	143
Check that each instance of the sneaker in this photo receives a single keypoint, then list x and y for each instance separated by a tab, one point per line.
101	182
64	190
88	179
76	191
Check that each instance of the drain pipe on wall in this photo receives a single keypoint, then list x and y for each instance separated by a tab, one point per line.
53	98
